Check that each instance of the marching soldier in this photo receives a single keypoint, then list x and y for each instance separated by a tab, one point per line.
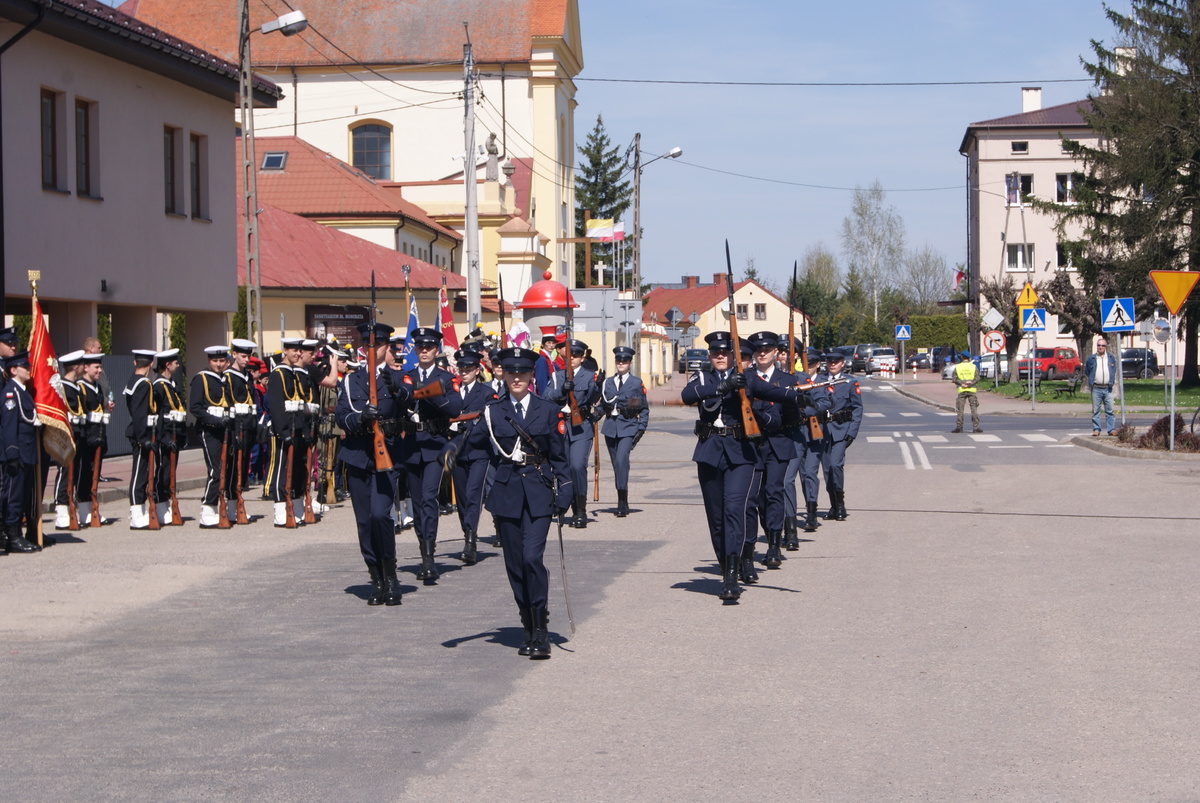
143	422
18	436
210	404
96	430
371	490
172	431
428	427
807	462
725	457
471	467
288	407
71	365
532	484
582	382
626	415
311	374
845	417
245	418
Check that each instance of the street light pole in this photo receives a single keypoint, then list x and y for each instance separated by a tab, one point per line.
674	153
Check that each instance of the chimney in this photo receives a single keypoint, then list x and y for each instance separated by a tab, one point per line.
691	281
719	278
1031	99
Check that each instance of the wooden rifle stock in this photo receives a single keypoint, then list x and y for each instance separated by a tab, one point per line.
383	458
749	422
309	518
430	391
222	504
152	459
96	489
242	518
72	507
176	517
290	514
596	461
330	484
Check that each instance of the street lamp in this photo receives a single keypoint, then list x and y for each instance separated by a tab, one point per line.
289	24
674	153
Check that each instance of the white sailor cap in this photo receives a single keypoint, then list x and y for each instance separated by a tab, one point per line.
146	354
309	344
291	342
164	357
243	345
217	352
71	358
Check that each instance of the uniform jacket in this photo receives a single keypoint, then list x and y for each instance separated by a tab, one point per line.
426	446
777	440
847	396
284	385
18	417
1089	368
93	407
73	396
167	400
626	412
529	487
477	397
701	391
208	389
140	401
358	447
586	394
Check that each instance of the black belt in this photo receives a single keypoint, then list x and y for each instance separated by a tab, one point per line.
704	430
841	416
1105	387
432	427
529	460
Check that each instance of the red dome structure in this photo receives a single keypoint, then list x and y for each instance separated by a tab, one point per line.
547	294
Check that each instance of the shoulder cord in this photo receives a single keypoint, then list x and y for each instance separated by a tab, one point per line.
173	397
32	418
517	455
224	385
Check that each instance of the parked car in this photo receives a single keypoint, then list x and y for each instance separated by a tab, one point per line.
937	358
862	353
1052	363
692	360
987	365
920	360
1139	363
848	353
882	358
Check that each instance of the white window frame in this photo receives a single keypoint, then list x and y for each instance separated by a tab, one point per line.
1014	254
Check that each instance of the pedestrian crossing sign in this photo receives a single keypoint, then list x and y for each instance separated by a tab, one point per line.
1116	315
1033	319
903	333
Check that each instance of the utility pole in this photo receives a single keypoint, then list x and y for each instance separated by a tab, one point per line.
253	278
471	218
637	248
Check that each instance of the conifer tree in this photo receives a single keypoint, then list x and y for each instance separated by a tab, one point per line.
600	188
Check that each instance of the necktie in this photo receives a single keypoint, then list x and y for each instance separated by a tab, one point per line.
620	382
520	411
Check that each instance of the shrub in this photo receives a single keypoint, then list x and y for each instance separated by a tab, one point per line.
1158	436
1125	434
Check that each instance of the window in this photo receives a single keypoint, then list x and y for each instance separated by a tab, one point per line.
172	183
1064	331
760	312
1020	257
198	175
372	150
1066	254
275	160
1020	147
743	312
52	148
1017	188
86	182
1064	187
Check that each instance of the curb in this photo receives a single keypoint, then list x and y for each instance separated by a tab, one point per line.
110	495
1130	453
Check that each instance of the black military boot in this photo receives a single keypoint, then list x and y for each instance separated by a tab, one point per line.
833	508
539	637
774	558
811	523
581	514
428	572
376	597
391	584
730	590
496	526
470	547
527	623
18	542
841	505
747	573
622	504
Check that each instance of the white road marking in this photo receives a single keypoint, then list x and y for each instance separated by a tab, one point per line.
879	439
1060	446
873	415
947	414
908	461
1037	437
1022	446
896	435
933	438
911	415
951	447
982	438
920	452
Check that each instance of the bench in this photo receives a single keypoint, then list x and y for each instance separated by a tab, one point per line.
1068	388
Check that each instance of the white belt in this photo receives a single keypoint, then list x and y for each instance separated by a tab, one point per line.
291	406
96	418
151	420
178	416
242	409
217	412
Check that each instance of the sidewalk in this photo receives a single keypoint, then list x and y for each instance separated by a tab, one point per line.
190	473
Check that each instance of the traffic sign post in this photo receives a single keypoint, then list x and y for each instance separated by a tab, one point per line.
1033	319
1174	286
994	341
1116	315
1028	297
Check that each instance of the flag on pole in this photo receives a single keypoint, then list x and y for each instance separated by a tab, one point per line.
408	357
600	229
958	277
446	319
518	335
47	392
618	233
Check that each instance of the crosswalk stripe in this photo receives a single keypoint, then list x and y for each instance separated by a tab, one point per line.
911	415
1037	437
981	438
873	415
932	438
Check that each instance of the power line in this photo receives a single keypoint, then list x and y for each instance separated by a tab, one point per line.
455	107
808	186
832	83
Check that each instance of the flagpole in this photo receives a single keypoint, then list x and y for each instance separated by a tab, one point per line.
35	508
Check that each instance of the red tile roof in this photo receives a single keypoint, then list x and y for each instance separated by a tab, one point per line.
370	31
295	252
1064	115
699	299
316	184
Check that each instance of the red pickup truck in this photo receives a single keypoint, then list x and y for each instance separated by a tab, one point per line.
1050	363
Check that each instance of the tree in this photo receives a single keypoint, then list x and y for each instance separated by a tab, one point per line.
1138	198
873	239
924	279
1076	308
1001	295
599	188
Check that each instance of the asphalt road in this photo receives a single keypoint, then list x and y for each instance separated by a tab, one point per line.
1007	624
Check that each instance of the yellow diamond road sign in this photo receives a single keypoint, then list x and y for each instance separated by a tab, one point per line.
1028	297
1174	286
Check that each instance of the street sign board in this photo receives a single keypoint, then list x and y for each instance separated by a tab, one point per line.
1028	297
993	318
1116	315
1033	319
903	333
994	341
1174	286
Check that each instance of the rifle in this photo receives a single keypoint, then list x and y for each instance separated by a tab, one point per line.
576	416
328	486
151	458
814	424
289	467
96	489
72	507
176	518
749	422
503	328
222	504
383	460
792	326
242	518
596	461
309	518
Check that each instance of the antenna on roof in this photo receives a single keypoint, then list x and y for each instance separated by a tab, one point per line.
467	30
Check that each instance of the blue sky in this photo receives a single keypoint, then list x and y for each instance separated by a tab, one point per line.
906	137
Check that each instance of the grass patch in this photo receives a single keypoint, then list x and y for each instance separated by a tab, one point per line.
1138	393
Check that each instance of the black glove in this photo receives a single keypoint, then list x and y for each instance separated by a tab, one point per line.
370	414
12	467
287	440
568	385
597	414
849	439
638	437
389	379
559	511
227	422
731	383
449	456
146	443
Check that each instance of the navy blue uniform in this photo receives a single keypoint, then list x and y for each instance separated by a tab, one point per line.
18	437
209	403
470	469
528	487
428	430
725	459
579	438
626	414
287	405
776	448
807	461
143	420
844	419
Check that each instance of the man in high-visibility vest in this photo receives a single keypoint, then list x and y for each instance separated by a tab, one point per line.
966	377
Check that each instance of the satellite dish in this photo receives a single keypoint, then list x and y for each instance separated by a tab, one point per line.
725	306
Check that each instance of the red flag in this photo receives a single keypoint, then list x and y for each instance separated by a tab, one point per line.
958	277
449	336
51	409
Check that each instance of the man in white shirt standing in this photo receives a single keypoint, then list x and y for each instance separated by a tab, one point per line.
1101	371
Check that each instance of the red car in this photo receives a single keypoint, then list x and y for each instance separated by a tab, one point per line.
1050	363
